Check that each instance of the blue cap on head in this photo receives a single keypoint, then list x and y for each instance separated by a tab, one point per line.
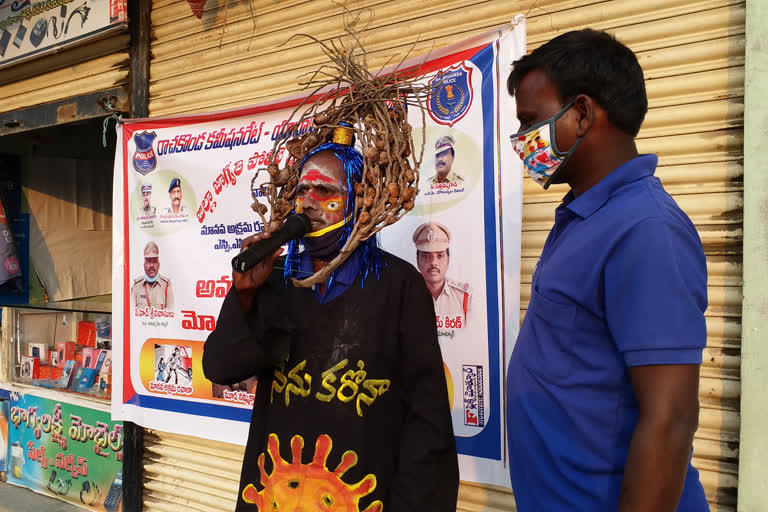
175	182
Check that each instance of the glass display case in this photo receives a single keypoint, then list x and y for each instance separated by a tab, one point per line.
68	351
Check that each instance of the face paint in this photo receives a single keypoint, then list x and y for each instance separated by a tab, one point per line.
315	175
333	208
321	197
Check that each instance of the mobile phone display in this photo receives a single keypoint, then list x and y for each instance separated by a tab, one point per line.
39	31
5	38
76	380
20	33
100	360
115	493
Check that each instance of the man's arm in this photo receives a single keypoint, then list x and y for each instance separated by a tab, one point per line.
427	475
661	445
655	298
134	296
235	350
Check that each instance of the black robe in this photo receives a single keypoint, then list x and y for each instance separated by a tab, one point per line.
351	393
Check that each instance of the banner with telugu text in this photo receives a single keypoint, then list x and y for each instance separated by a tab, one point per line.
181	210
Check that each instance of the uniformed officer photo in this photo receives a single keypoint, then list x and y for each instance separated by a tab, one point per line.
452	298
152	289
174	191
445	154
147	209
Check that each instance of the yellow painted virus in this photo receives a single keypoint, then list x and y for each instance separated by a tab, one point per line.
297	487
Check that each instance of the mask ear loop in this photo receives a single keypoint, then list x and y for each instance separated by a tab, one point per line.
570	152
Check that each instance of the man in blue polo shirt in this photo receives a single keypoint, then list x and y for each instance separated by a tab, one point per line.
602	393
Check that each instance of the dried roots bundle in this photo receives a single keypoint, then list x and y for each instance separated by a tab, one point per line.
375	107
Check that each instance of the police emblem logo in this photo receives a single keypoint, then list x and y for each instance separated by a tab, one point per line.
431	236
450	94
144	158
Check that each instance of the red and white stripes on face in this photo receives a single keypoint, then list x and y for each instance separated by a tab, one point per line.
321	194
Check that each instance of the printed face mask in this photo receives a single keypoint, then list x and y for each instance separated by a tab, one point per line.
537	148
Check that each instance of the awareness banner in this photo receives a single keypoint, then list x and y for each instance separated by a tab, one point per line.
182	194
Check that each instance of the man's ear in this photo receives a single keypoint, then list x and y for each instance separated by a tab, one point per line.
585	107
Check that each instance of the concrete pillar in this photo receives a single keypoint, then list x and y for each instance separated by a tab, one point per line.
753	472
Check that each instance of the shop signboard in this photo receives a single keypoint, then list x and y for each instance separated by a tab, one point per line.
31	28
66	451
5	414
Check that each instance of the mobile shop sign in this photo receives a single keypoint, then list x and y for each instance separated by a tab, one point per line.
181	201
31	28
62	450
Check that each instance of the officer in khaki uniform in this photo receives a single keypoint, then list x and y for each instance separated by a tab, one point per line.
152	289
452	298
146	195
444	155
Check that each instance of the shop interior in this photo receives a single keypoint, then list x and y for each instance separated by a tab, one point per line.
56	192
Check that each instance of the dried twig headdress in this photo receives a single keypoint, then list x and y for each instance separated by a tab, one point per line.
349	103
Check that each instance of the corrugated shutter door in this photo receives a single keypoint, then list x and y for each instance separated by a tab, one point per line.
98	74
187	473
692	52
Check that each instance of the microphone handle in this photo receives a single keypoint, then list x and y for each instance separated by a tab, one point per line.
248	259
294	227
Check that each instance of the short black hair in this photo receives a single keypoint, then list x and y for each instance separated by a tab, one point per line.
594	63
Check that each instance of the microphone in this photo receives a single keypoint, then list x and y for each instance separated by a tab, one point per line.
295	226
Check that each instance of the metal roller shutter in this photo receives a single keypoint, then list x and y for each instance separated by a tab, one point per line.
98	74
186	473
692	52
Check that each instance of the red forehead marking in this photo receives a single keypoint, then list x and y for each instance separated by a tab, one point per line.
315	175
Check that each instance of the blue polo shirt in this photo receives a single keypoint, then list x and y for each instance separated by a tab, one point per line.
621	282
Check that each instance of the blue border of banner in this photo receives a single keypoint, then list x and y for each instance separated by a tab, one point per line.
487	444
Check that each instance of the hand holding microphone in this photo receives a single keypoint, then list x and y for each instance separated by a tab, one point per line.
294	227
254	264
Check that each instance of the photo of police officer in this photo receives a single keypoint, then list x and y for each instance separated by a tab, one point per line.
445	154
174	192
147	210
152	289
452	298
